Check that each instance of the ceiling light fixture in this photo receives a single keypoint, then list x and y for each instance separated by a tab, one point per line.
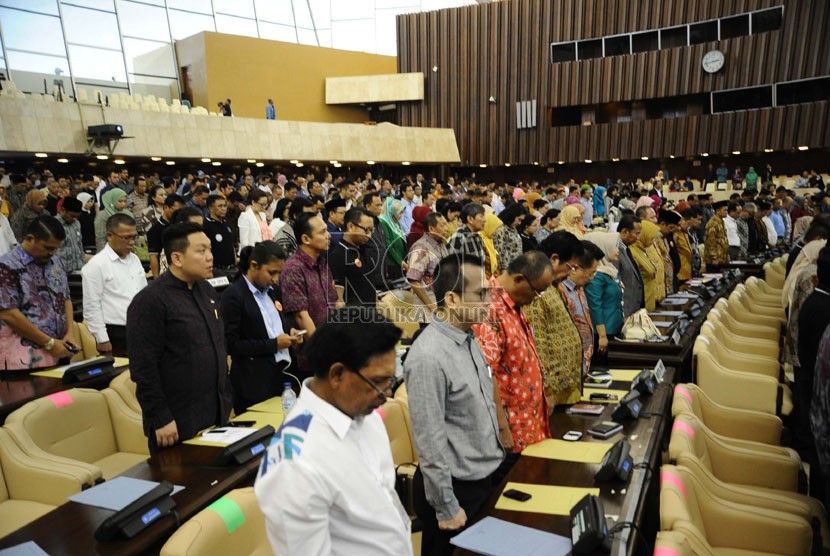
41	155
370	162
704	154
615	159
507	165
803	148
251	160
588	161
768	150
736	152
217	163
170	163
205	160
643	158
63	160
101	157
119	161
293	161
561	162
482	166
260	164
299	165
155	158
405	163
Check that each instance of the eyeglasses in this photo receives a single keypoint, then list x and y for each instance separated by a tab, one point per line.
536	293
590	273
128	239
394	382
265	204
485	293
368	231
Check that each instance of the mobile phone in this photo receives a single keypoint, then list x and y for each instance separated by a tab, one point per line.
514	494
572	436
600	396
300	332
72	348
241	423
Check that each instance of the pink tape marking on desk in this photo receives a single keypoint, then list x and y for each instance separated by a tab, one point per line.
683	427
673	479
60	399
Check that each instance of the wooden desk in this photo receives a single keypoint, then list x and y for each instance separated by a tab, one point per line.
70	528
19	387
636	505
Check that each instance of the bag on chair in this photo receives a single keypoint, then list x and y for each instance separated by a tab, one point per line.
639	326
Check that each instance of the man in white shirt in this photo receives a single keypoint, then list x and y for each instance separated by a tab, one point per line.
110	281
732	236
765	209
327	483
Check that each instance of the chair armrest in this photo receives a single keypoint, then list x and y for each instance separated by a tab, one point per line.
744	424
732	464
126	424
88	474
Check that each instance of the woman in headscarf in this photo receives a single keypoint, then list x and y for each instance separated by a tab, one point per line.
599	201
798	286
644	201
390	219
570	220
87	219
34	206
650	263
605	292
115	202
491	256
416	232
805	260
572	200
507	240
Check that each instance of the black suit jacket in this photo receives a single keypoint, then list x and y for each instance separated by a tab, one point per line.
255	375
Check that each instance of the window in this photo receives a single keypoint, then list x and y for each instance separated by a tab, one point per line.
706	31
201	6
184	24
149	57
589	49
41	6
618	46
735	26
643	42
38	63
275	11
808	90
239	8
94	63
563	52
673	37
236	25
146	22
91	27
742	99
767	20
276	32
33	32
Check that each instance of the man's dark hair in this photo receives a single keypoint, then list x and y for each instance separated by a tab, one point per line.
531	265
185	213
71	204
352	338
213	199
17	178
354	215
817	230
119	219
823	266
174	239
263	253
171	200
297	207
628	222
344	184
471	210
431	220
200	190
289	185
590	254
368	198
153	191
731	207
302	226
44	227
563	244
642	212
448	275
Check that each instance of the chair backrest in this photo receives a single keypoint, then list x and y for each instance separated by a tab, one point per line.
687	440
74	424
732	359
673	543
125	387
89	348
399	307
679	503
234	524
395	413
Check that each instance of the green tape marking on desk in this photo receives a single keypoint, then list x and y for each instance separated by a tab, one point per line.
230	512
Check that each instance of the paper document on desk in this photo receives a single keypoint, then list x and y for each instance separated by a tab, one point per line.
30	548
227	435
545	499
496	537
563	450
118	493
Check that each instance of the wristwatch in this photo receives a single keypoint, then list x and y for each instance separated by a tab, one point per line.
49	345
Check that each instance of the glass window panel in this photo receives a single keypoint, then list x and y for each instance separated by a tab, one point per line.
161	88
618	46
321	10
154	57
325	37
94	63
301	16
138	20
589	49
43	6
186	24
201	6
307	36
735	26
812	90
155	2
563	52
242	8
38	33
706	31
276	32
673	37
386	32
355	9
356	35
643	42
275	11
91	27
236	25
410	5
767	20
742	99
97	4
37	63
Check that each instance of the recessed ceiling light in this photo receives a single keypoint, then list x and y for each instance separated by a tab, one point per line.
803	148
767	150
170	162
293	161
260	164
736	152
333	162
482	166
536	164
704	154
299	165
63	160
507	164
643	158
370	162
251	160
217	163
155	158
405	163
615	159
102	157
561	162
119	161
671	156
338	165
588	160
40	155
205	160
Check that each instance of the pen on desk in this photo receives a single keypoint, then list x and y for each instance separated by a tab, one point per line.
214	483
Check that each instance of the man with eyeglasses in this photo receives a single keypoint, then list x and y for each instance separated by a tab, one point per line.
110	281
455	418
327	483
349	263
506	339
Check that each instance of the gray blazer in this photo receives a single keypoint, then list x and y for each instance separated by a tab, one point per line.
633	298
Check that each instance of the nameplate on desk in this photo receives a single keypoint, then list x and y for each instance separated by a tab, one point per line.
219	281
665	313
675	337
659	370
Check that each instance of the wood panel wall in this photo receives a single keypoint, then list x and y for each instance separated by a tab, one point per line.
502	50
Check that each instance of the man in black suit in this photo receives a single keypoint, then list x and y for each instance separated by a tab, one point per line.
254	330
633	299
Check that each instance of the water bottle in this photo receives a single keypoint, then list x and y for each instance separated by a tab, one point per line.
289	398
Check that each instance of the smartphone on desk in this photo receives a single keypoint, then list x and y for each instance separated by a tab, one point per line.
514	494
604	397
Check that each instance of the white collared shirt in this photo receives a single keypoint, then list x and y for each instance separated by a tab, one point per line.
772	235
327	485
271	318
109	285
732	236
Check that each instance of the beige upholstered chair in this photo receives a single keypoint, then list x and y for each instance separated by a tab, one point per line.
212	533
83	427
125	387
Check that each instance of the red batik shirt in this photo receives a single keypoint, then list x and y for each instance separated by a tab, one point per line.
507	342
